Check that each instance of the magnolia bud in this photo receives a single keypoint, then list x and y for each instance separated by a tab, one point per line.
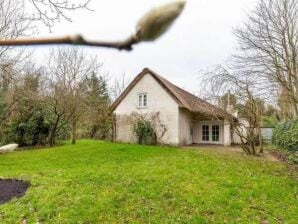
157	21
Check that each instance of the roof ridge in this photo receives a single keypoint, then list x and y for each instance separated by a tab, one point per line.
176	85
188	93
181	89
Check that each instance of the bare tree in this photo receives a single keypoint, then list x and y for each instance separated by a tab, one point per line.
55	98
49	11
247	89
118	85
265	67
70	67
268	44
12	25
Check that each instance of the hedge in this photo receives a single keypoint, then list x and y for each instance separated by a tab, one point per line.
285	136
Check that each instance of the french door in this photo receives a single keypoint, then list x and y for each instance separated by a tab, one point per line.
211	133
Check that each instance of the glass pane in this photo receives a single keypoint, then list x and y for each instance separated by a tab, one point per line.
145	100
215	133
140	100
205	133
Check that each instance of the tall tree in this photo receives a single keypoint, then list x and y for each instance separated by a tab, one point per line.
98	118
23	120
13	24
268	44
227	100
70	68
247	90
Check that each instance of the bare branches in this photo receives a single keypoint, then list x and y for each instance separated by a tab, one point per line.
118	85
268	45
248	90
69	68
264	68
240	81
155	23
12	23
51	11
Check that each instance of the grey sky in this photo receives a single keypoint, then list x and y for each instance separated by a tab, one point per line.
200	38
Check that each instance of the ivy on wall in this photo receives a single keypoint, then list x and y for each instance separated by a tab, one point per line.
148	128
144	131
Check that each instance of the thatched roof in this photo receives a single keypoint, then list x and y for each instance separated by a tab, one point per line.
183	98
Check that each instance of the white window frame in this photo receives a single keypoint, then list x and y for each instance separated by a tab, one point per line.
141	102
210	124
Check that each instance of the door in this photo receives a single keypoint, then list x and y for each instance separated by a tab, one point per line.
211	133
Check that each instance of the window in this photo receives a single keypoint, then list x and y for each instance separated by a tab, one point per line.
215	133
205	133
143	100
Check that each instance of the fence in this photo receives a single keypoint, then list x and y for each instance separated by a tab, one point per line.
267	134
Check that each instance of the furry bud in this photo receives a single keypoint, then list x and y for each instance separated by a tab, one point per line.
157	21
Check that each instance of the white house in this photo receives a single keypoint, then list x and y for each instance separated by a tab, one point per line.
187	118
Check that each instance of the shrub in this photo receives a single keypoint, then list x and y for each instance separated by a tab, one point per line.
31	130
145	133
285	135
269	121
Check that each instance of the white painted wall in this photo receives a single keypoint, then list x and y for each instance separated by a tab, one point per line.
227	139
197	135
158	101
185	127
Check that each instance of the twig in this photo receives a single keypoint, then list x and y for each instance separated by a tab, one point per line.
72	40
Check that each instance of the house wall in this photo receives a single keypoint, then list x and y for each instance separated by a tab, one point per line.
227	136
185	127
158	101
197	133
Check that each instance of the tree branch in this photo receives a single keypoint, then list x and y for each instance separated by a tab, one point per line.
72	40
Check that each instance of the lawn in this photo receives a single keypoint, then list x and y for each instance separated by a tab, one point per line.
100	182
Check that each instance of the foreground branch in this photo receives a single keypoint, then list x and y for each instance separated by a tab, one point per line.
72	40
151	26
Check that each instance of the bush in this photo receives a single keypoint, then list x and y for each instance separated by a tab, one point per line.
31	130
269	121
145	133
285	135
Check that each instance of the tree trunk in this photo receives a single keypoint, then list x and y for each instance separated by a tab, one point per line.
260	139
93	131
53	131
294	106
52	137
74	132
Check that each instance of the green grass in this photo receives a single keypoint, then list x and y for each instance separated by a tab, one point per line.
99	182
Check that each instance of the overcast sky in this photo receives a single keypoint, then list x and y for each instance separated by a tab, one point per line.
200	38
